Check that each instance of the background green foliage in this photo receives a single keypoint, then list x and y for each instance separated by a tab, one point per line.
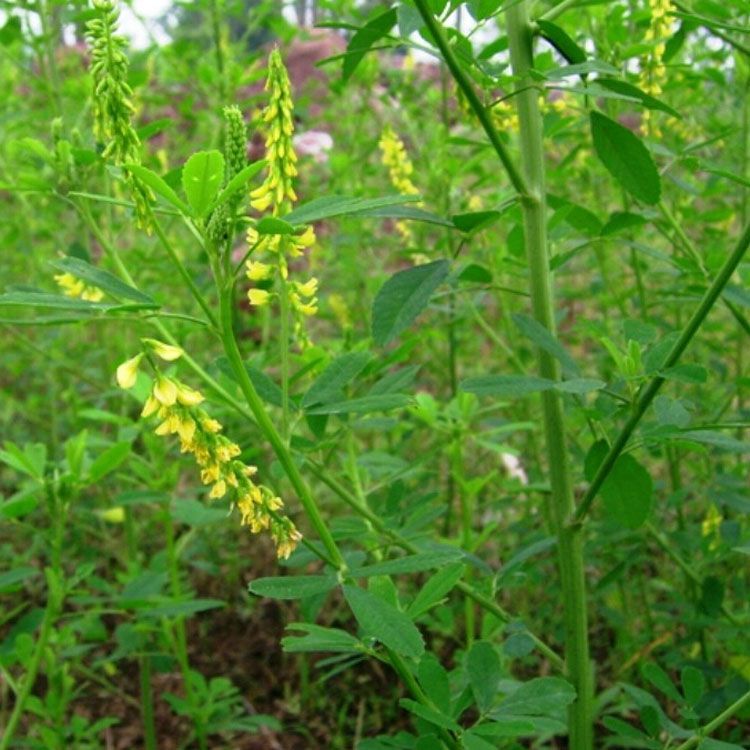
138	612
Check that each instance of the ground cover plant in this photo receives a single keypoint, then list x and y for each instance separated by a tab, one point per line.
375	375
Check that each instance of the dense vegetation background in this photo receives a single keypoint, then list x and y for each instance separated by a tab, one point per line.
488	345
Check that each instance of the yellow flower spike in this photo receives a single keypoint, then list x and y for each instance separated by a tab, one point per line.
257	271
127	372
397	160
258	297
165	391
167	352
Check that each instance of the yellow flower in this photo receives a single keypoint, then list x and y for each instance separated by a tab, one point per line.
167	352
257	271
127	372
188	396
165	391
150	407
258	297
308	289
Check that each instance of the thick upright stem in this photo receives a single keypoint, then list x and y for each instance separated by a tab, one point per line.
570	541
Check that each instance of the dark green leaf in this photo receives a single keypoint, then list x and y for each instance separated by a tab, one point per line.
403	297
384	622
484	670
340	372
432	715
626	158
291	587
628	89
410	564
363	39
560	40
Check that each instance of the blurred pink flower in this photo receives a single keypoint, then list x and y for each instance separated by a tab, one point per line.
315	143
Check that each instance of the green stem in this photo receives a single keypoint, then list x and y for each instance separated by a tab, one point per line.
463	82
714	724
652	388
570	539
187	278
695	256
284	344
269	431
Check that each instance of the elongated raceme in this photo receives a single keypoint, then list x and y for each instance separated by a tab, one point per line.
74	287
221	222
653	71
277	195
177	406
112	99
400	170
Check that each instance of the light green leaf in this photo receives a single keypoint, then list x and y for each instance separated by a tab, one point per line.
384	622
580	385
506	386
626	158
202	176
108	461
539	335
318	638
364	405
272	225
329	385
238	182
435	589
432	715
403	297
100	278
159	186
541	696
338	205
195	513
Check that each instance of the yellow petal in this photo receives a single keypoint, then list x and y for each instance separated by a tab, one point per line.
165	391
167	352
127	372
